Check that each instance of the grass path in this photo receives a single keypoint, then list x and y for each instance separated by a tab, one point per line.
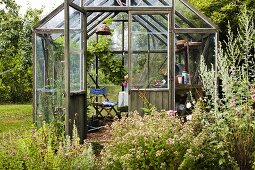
13	117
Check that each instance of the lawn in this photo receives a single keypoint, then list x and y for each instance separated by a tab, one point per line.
15	116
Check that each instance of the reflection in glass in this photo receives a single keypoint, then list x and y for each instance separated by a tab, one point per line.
76	57
75	62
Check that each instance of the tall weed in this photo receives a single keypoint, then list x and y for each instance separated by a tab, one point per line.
44	148
233	126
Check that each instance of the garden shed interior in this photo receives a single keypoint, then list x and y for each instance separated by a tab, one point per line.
159	43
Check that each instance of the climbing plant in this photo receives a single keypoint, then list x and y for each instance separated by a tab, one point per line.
110	64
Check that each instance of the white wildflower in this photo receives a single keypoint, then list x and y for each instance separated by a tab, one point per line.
188	105
189	117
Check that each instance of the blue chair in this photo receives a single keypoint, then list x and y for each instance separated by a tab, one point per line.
101	105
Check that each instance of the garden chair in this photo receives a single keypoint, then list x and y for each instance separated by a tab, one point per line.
101	103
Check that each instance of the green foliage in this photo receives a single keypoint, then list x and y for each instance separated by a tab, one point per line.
148	107
207	149
233	127
16	52
44	148
160	141
151	142
97	147
222	12
110	64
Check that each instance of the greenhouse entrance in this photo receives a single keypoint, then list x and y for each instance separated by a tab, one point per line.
152	47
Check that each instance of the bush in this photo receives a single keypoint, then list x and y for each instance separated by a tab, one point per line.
44	149
233	127
207	149
158	141
154	141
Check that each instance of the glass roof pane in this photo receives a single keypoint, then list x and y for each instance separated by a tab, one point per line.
151	2
58	20
96	3
186	18
75	18
77	2
97	18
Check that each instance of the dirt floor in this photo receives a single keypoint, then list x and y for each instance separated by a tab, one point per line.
103	134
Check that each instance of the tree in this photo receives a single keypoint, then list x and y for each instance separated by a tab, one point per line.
224	11
16	52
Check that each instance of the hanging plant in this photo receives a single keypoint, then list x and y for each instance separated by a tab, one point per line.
110	64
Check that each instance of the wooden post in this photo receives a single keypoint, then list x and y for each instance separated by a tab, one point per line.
67	67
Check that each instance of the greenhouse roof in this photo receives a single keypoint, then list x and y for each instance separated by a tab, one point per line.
186	17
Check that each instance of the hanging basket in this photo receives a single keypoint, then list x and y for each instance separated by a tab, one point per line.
103	29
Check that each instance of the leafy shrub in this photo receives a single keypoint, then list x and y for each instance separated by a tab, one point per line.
154	141
233	127
159	141
44	149
207	148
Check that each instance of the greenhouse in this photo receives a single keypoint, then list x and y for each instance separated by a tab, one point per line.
159	43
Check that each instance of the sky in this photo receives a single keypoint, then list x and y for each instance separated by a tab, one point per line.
48	5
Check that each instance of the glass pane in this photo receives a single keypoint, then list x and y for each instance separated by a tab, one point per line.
126	35
76	54
189	48
56	22
151	2
96	3
96	18
49	76
148	33
75	62
39	65
119	27
149	58
117	36
77	2
186	18
75	18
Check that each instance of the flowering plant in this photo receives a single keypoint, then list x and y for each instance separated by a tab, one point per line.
125	84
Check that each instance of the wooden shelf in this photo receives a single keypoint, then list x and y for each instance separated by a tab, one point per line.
182	44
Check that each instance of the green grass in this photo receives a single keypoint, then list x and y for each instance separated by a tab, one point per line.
13	117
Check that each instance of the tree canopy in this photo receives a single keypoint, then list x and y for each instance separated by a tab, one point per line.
16	52
223	11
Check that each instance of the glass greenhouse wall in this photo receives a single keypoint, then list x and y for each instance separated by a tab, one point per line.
160	43
49	77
